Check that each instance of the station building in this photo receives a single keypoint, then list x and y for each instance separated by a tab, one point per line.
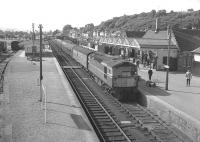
156	43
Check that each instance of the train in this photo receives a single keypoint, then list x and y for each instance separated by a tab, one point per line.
3	46
119	76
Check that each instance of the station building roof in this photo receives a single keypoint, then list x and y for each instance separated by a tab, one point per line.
155	43
157	40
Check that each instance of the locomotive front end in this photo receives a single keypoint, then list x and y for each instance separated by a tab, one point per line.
125	81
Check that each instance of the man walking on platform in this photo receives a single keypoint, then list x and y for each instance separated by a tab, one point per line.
188	76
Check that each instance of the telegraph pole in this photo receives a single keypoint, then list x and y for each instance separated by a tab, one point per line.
168	57
33	38
41	77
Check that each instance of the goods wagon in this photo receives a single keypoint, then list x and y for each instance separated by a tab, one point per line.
15	45
3	46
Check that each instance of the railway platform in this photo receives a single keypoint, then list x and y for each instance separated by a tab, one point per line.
66	121
179	105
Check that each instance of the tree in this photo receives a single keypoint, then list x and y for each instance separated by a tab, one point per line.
66	29
190	10
56	32
161	13
197	23
153	13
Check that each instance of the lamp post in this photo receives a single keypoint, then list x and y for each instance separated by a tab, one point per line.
33	39
41	77
168	57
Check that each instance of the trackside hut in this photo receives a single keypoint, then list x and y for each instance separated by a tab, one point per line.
196	61
187	43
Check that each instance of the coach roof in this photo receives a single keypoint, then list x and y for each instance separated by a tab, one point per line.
83	50
109	60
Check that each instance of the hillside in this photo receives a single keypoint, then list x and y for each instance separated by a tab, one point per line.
143	21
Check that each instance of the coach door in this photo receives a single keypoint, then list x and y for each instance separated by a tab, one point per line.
105	72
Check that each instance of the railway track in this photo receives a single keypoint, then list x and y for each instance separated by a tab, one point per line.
112	120
4	59
104	121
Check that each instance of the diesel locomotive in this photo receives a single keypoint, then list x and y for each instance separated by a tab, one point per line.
117	75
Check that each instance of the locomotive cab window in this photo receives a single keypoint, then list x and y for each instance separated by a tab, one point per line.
126	74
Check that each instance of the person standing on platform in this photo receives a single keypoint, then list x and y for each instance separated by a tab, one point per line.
150	73
188	76
138	63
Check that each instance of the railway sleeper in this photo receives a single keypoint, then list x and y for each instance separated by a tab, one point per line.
105	124
149	121
101	114
116	134
104	120
108	127
110	130
87	96
91	103
116	138
101	117
95	108
98	112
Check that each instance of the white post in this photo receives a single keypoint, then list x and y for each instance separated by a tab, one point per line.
45	106
41	93
45	103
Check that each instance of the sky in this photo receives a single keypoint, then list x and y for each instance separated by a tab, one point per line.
55	14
